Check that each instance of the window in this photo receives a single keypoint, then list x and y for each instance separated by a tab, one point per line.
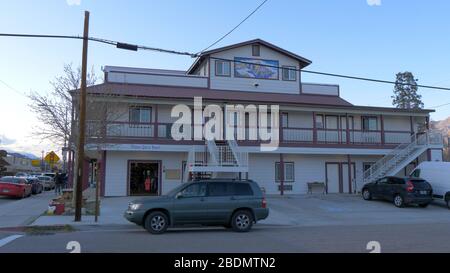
319	122
223	68
256	50
383	181
367	166
288	172
241	189
369	123
220	189
289	73
194	190
140	114
284	120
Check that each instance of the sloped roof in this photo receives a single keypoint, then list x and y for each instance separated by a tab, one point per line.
152	91
303	61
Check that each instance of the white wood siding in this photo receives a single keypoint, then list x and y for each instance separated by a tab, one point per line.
158	79
248	84
117	168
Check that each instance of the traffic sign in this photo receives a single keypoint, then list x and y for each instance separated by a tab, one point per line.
51	158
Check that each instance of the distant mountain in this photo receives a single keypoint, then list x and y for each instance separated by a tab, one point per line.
19	154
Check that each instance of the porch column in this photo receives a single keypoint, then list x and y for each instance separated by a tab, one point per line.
427	122
382	130
349	165
156	122
347	129
103	173
411	125
429	155
281	171
314	128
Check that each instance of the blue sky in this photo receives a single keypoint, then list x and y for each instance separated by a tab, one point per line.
346	37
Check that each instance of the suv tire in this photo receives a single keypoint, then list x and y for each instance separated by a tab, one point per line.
398	201
242	221
366	195
156	222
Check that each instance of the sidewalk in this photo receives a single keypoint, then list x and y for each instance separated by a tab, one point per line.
111	213
112	209
22	212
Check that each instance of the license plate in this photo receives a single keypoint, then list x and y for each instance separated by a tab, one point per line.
5	190
424	192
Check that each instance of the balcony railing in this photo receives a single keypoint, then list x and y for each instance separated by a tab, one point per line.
149	131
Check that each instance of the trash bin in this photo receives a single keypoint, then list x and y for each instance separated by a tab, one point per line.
59	208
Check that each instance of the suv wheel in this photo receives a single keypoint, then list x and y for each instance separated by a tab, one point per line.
366	194
242	221
156	222
398	201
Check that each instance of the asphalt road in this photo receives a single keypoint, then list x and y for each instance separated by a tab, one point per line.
262	239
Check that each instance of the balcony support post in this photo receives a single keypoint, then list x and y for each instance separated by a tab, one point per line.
156	129
347	129
281	170
314	128
349	165
382	130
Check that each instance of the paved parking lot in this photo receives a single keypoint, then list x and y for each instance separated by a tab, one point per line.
339	209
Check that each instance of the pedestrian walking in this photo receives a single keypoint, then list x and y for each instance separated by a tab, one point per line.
58	183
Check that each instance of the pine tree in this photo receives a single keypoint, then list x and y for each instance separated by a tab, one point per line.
405	92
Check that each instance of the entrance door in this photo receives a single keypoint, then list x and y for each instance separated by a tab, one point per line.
144	178
332	177
348	185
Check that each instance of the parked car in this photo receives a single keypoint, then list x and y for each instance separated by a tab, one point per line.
36	185
438	175
229	203
47	182
22	174
15	187
52	175
401	191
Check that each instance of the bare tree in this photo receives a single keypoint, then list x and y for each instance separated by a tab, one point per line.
54	109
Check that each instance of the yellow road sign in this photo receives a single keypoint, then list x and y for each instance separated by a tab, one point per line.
51	158
36	163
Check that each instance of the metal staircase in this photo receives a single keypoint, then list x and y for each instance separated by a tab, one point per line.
402	155
216	157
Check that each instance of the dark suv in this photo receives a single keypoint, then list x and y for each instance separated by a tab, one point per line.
400	191
229	203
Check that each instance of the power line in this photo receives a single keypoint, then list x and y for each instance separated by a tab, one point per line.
136	47
233	29
439	106
333	74
13	89
99	40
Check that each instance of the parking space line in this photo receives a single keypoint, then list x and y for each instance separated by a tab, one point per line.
9	239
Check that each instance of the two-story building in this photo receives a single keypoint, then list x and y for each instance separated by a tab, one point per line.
322	137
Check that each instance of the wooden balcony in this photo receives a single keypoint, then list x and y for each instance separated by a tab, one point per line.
130	133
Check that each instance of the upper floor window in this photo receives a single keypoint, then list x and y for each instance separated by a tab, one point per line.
320	124
369	123
223	68
256	50
140	114
284	120
289	73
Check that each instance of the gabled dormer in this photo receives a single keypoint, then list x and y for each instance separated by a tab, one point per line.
236	67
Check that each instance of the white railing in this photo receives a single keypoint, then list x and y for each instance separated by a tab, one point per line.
402	155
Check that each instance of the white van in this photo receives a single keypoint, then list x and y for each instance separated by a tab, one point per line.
438	175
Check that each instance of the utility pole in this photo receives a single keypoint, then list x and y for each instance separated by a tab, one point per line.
81	123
